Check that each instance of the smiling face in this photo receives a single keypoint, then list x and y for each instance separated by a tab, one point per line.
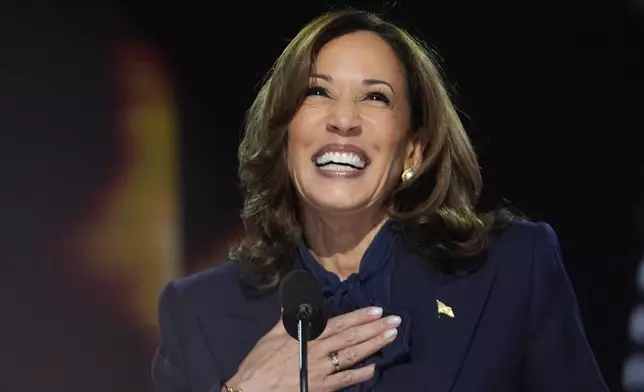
350	140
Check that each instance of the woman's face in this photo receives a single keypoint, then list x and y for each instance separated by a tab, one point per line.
350	140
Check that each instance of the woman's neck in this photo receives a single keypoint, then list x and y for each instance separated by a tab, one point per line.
338	243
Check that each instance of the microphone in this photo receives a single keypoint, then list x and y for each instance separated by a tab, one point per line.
303	313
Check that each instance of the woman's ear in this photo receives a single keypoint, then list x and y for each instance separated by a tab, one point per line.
414	154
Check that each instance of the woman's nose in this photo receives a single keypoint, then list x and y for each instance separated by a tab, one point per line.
344	117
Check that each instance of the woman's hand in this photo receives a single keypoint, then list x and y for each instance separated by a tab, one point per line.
273	364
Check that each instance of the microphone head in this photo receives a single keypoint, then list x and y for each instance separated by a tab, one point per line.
300	290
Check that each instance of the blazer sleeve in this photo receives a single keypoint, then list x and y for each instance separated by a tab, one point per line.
169	369
559	357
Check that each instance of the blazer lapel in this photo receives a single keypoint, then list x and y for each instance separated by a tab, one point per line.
441	342
250	316
451	336
261	311
232	335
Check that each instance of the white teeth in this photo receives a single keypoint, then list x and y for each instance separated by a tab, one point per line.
338	168
341	158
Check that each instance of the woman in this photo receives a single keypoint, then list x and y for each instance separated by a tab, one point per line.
357	168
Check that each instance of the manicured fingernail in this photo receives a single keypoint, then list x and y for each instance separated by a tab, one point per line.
393	320
390	334
375	312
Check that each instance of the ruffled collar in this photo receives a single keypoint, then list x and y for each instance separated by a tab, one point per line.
371	286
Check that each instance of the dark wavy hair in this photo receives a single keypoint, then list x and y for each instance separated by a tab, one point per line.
436	208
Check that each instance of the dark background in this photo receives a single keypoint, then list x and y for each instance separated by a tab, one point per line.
550	92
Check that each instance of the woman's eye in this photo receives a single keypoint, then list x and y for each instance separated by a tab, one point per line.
378	97
319	91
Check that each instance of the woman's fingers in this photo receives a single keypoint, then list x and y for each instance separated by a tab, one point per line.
347	378
357	335
345	321
351	355
339	323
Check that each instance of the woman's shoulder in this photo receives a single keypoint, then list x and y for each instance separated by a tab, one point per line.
525	245
222	276
213	287
525	233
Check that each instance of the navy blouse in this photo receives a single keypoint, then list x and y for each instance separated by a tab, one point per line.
371	286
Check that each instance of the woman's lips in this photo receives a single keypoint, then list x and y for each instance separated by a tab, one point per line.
342	148
340	160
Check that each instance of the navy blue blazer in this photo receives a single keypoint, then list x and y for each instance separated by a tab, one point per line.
516	325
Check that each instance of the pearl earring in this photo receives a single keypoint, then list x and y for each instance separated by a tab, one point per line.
407	174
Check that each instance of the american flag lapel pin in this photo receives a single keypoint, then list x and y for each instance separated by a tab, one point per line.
444	309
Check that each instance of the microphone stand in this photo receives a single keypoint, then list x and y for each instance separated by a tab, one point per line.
303	334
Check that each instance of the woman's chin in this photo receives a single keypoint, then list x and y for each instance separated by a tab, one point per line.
345	206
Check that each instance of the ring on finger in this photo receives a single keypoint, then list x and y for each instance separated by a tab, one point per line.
333	356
